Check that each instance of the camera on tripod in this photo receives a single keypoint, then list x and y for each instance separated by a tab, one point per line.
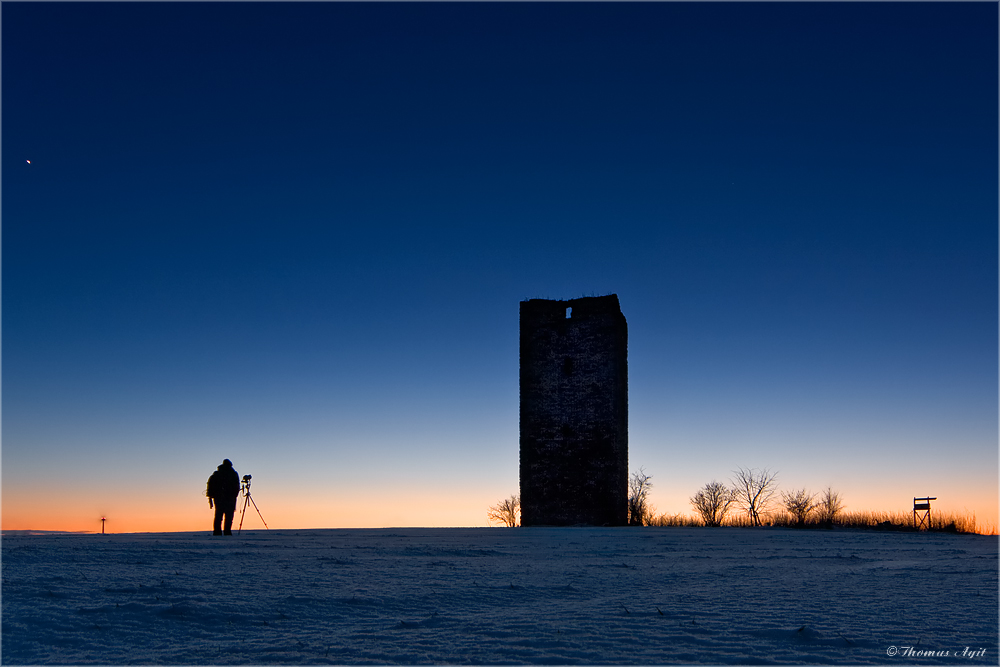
245	488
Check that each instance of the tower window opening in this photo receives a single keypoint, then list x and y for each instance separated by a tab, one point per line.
569	312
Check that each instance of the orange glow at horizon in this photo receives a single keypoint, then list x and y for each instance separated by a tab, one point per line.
400	509
173	515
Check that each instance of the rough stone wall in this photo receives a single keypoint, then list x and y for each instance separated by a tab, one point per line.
574	412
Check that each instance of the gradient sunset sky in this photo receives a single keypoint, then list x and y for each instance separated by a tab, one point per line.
297	235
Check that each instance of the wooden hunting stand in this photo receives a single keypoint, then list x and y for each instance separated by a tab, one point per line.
922	509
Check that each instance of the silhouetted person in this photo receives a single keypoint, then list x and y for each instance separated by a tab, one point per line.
223	489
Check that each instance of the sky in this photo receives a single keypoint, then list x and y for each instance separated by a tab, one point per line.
297	236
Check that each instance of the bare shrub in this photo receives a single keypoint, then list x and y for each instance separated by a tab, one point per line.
829	506
506	512
639	511
799	504
712	502
754	491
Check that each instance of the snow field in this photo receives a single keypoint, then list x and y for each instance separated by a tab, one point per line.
492	596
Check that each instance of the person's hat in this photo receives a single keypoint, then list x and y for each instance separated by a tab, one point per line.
227	462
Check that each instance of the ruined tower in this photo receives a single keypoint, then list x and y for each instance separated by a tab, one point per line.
574	412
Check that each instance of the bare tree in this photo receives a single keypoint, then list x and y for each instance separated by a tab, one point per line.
507	512
799	504
829	506
639	511
713	501
754	491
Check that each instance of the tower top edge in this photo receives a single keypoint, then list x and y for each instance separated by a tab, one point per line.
552	309
568	303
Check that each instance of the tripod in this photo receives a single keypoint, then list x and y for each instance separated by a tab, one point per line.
247	498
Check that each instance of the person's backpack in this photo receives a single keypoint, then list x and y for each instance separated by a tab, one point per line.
213	490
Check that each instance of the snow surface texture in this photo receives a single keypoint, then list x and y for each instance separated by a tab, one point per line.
530	595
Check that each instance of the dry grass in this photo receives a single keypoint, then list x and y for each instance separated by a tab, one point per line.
860	520
675	521
939	521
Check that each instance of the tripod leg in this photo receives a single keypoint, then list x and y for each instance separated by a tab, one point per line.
243	513
258	512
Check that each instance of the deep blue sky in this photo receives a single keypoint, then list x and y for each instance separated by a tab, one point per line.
296	235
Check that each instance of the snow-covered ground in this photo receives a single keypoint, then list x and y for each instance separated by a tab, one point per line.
542	596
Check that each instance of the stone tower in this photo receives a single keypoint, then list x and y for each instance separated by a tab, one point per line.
574	412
